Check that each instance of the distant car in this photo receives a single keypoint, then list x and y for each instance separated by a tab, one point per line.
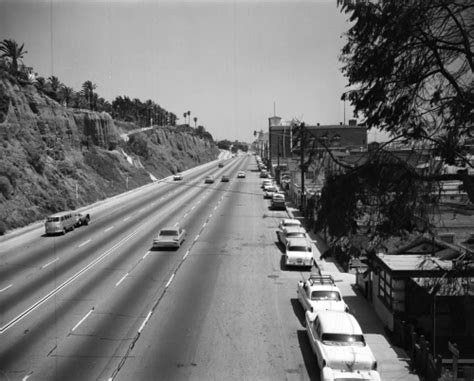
320	293
269	191
288	222
170	237
209	180
82	219
299	252
266	182
221	165
225	179
241	175
278	202
285	234
340	347
178	177
263	174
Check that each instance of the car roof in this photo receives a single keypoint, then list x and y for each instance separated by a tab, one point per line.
293	228
170	228
298	241
290	221
60	214
338	322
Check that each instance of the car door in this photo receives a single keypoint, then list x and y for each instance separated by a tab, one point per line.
305	297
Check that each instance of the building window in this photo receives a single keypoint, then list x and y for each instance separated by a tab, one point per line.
385	288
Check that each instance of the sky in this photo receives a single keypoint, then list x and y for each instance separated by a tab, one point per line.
232	63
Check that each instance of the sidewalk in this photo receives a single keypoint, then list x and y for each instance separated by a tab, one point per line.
393	362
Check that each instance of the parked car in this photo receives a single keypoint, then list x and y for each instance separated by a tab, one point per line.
278	201
340	347
60	223
82	219
225	179
320	293
241	175
263	174
170	237
269	191
299	252
291	232
288	222
266	182
178	177
209	180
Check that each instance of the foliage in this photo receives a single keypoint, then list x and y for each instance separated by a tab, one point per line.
13	53
236	146
5	187
410	68
139	145
381	197
35	158
224	144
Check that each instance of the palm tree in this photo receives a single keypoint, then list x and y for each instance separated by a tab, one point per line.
66	94
195	121
184	116
55	84
88	90
189	117
12	52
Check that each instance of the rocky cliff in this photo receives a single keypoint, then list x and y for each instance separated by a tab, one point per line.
55	158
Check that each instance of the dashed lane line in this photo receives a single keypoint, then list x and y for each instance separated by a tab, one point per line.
6	288
49	263
121	280
82	320
84	243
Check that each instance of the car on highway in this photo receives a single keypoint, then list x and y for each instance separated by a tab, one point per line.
299	252
221	165
225	179
241	175
288	222
278	202
291	232
61	223
178	177
82	219
209	179
172	237
340	347
320	293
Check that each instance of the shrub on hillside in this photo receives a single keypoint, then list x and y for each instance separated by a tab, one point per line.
138	145
8	170
5	187
34	158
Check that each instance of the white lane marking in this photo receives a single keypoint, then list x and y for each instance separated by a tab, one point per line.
193	207
185	215
146	255
49	263
204	224
210	215
81	321
84	243
169	282
109	228
144	322
215	207
195	239
6	288
126	218
121	280
186	255
176	224
27	376
48	296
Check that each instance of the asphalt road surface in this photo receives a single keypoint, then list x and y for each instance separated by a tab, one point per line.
99	304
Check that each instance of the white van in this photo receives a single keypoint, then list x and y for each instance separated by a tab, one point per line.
60	223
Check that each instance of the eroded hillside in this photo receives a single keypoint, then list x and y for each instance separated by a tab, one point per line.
54	158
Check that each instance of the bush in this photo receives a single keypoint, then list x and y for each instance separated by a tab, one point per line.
5	187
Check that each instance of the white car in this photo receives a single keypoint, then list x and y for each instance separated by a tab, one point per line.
172	236
340	348
178	177
269	191
291	232
320	293
299	252
288	222
266	182
241	175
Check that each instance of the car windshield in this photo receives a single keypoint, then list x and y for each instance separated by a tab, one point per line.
342	339
53	219
168	232
299	248
295	234
325	295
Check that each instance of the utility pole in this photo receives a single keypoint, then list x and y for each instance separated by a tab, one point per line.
302	149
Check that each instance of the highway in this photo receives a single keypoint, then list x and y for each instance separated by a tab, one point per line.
99	304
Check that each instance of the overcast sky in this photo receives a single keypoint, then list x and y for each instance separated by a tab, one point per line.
228	62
